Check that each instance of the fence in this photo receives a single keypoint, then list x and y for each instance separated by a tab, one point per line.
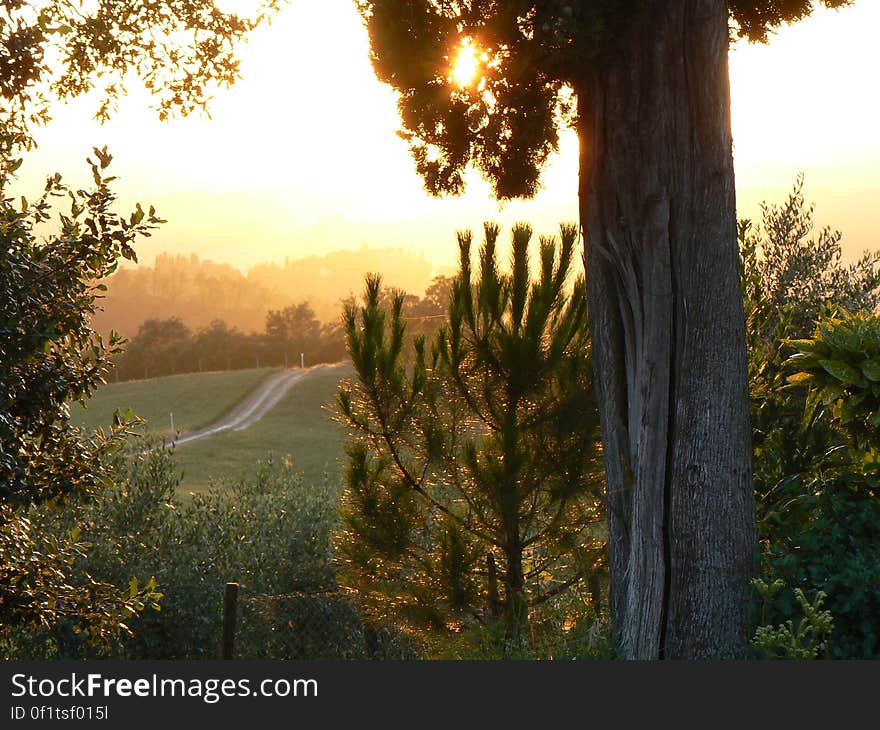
320	625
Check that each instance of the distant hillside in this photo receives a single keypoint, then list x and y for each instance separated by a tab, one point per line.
199	291
324	280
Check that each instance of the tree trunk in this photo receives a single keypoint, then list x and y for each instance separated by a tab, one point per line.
657	207
515	610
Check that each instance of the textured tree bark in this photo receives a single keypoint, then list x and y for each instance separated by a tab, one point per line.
658	213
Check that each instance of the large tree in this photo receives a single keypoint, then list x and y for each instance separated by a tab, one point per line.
645	84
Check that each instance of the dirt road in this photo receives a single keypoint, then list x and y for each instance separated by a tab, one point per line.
254	406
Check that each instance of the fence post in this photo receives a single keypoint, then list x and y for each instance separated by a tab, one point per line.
230	604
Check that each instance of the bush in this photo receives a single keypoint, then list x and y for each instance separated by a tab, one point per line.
269	532
49	287
815	483
825	536
841	367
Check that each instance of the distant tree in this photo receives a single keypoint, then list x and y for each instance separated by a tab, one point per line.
332	343
219	347
292	331
278	337
194	290
645	84
487	444
157	348
438	295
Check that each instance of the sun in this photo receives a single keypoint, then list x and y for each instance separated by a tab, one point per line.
467	63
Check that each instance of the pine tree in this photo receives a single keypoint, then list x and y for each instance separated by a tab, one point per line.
481	452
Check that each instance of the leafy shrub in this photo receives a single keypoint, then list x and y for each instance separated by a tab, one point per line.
46	597
791	278
269	532
49	286
824	534
841	367
818	519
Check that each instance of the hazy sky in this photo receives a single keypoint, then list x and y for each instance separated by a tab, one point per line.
301	156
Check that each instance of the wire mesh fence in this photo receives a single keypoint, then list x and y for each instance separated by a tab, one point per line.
320	625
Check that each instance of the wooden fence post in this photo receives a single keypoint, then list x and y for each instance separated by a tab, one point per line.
230	605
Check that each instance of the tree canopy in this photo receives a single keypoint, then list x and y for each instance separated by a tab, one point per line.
59	49
529	56
51	50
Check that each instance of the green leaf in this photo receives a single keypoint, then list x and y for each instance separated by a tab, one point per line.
850	409
830	393
805	346
810	408
844	372
803	360
871	370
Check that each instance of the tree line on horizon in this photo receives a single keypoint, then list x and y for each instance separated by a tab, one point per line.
291	336
199	291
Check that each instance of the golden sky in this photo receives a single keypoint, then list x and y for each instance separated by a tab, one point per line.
301	156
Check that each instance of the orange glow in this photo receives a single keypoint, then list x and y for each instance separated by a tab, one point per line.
263	180
467	63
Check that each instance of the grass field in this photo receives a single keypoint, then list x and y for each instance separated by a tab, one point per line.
299	429
195	399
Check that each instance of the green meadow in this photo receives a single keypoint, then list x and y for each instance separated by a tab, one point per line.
298	431
194	399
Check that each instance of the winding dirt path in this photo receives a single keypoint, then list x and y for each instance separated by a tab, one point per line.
254	405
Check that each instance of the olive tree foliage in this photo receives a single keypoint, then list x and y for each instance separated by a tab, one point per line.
473	475
797	273
51	50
